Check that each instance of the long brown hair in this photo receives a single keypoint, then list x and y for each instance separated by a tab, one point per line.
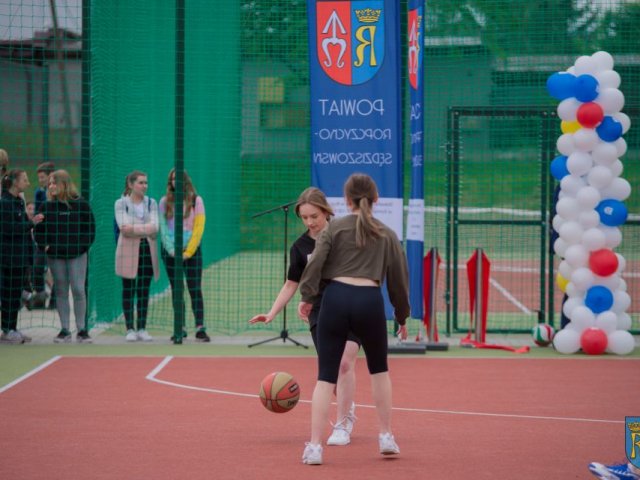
131	178
189	196
362	191
66	190
314	196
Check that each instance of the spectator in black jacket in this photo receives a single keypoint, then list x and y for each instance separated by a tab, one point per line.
16	251
67	232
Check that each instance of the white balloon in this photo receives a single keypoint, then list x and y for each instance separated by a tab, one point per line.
571	70
585	139
571	232
607	321
577	256
624	321
570	184
568	108
605	153
567	341
565	144
588	219
623	285
621	147
603	60
582	278
620	342
624	120
621	301
573	291
608	79
612	236
558	221
565	269
618	189
583	317
568	208
579	163
594	239
616	168
612	282
586	65
611	100
570	305
588	197
622	263
599	176
560	247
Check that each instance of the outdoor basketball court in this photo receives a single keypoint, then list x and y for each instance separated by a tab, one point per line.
200	417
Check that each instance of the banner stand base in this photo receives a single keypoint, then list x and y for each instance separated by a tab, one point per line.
408	348
437	346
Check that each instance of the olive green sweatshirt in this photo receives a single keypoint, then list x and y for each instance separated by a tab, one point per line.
336	255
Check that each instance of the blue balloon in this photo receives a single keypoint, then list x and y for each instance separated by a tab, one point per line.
586	88
561	85
609	130
599	299
559	168
612	212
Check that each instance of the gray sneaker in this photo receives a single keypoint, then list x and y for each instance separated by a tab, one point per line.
12	337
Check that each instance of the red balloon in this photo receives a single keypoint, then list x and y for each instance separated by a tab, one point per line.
603	262
593	341
590	115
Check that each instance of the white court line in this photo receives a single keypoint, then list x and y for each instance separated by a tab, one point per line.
152	377
509	297
29	374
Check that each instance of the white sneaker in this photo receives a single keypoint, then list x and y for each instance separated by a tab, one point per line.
143	336
131	336
351	418
340	435
25	338
312	454
388	445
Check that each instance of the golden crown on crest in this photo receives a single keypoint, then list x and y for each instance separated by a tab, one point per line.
368	15
634	427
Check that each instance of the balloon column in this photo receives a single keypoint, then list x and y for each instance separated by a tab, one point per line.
590	207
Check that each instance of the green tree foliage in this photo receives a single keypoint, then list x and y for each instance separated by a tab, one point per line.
277	30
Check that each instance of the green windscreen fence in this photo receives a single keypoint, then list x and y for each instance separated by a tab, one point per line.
221	90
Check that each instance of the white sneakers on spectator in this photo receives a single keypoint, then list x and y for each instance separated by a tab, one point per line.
341	434
143	336
312	454
388	445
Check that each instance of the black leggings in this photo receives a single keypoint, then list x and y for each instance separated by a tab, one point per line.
349	308
11	283
138	287
192	269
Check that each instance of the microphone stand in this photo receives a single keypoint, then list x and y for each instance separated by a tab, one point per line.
284	333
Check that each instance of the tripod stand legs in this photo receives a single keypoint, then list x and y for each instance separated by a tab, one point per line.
284	335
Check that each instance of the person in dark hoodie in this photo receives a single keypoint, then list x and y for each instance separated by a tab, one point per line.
65	235
16	251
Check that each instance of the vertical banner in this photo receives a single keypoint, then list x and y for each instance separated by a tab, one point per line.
415	217
355	101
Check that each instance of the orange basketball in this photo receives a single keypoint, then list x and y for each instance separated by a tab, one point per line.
279	392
